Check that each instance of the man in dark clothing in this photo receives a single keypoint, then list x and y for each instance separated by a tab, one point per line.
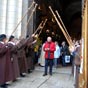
64	52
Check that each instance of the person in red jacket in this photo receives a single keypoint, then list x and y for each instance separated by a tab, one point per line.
49	49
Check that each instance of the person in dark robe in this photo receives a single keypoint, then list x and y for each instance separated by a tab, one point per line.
23	66
14	58
5	62
29	55
77	61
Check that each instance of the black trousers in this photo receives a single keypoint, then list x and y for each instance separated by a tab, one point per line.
48	62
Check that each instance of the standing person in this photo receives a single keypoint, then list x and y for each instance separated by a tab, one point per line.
29	57
72	51
36	54
41	59
64	52
56	54
5	62
77	62
3	55
29	49
14	58
22	60
49	49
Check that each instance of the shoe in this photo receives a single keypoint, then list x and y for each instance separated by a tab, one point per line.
4	86
14	80
44	74
29	71
50	74
22	75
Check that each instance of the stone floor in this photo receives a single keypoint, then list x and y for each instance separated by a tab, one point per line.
61	78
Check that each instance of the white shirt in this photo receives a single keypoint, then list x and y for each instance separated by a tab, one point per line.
57	52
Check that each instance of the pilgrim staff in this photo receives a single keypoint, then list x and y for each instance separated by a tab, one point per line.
63	26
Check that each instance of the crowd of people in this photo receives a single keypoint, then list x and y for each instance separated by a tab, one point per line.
60	54
18	57
52	53
15	59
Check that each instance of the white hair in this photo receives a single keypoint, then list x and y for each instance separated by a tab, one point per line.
49	39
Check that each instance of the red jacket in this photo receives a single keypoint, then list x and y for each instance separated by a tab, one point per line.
49	54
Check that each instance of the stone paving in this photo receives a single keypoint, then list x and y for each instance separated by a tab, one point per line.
61	78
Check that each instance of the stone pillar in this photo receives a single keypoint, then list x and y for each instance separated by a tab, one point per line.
27	29
18	18
13	16
23	25
30	25
10	15
3	6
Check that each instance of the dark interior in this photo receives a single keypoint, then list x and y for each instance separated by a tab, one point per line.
70	12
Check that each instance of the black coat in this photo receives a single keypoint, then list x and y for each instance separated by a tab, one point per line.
65	50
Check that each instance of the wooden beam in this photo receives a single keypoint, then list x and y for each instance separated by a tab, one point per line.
83	77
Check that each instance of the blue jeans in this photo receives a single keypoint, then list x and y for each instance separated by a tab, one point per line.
48	62
63	60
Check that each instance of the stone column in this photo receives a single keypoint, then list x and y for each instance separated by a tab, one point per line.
27	29
30	25
13	16
3	6
23	25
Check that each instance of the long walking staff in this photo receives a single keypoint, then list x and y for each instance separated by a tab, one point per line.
38	28
31	15
23	17
60	26
63	25
42	27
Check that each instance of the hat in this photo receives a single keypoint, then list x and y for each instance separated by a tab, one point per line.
2	36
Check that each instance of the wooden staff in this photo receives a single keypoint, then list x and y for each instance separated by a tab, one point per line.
60	26
34	34
42	27
37	35
23	18
31	14
63	26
